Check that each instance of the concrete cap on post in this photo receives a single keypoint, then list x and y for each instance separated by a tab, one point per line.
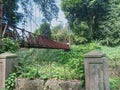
94	54
7	55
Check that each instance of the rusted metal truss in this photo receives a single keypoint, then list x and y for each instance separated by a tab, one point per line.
31	40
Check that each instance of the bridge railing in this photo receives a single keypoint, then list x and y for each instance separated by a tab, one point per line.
31	40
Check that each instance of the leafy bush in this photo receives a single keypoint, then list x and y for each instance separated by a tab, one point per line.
80	30
8	45
60	34
114	83
10	82
113	54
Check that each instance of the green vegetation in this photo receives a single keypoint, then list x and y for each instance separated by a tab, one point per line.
115	83
47	63
109	24
89	21
113	54
8	45
93	20
83	17
60	33
10	82
10	13
44	30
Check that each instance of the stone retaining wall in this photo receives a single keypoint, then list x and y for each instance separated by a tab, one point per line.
51	84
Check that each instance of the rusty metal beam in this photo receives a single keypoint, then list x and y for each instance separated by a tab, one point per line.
31	40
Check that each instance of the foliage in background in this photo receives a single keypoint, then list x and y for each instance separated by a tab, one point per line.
8	45
60	34
81	34
10	12
48	8
44	30
109	25
83	17
94	20
113	53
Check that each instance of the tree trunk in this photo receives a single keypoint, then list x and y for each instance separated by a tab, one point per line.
91	25
1	17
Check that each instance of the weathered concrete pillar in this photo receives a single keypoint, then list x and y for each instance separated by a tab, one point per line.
7	61
96	71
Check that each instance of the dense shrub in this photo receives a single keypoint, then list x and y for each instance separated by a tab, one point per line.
10	82
8	45
115	83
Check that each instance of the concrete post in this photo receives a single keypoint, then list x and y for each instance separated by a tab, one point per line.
7	61
96	71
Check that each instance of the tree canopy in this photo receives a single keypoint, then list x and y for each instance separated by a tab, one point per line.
83	17
60	34
44	30
109	25
11	14
94	20
48	8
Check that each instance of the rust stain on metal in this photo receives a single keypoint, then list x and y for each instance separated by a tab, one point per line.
31	40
